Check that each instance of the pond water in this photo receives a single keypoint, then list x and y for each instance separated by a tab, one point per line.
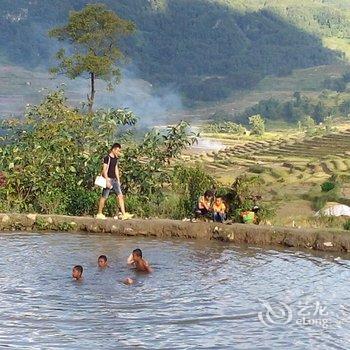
201	295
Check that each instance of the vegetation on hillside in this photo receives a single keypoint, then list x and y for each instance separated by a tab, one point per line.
299	108
337	84
205	49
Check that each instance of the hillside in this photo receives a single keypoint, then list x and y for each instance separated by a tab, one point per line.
291	167
205	49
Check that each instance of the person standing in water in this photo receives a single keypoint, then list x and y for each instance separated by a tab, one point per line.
111	173
137	261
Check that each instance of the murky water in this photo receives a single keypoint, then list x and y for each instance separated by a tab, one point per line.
200	296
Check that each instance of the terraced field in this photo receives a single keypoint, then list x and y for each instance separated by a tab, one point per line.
291	166
329	153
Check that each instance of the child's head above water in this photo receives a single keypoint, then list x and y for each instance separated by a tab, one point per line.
77	272
102	261
137	254
128	281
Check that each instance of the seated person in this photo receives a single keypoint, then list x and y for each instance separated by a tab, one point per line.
138	262
219	210
102	261
203	208
77	272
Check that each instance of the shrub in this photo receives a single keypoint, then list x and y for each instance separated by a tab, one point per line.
347	225
327	186
257	123
224	127
49	159
308	124
256	169
190	183
145	207
329	124
244	194
266	211
52	202
82	202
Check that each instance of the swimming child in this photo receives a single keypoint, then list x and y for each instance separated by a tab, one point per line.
77	272
203	208
102	261
128	281
139	263
219	210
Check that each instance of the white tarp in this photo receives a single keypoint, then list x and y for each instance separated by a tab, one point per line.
335	210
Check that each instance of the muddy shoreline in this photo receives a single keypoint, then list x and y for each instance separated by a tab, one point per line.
316	239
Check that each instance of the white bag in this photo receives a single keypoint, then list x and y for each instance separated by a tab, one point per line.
100	181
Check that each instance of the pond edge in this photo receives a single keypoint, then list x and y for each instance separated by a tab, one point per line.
316	239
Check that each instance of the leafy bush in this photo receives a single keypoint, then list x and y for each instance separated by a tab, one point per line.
329	124
82	202
266	212
257	123
224	127
327	186
49	160
190	183
308	124
53	201
245	192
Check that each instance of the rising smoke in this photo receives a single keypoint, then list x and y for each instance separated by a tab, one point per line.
152	106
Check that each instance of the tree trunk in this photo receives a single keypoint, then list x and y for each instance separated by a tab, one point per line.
91	97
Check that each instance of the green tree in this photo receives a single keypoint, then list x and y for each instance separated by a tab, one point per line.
329	124
308	124
94	33
53	150
49	158
257	123
146	169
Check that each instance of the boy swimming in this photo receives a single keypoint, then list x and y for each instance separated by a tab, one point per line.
139	263
102	261
77	272
128	281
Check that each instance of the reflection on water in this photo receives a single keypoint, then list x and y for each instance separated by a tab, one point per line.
201	295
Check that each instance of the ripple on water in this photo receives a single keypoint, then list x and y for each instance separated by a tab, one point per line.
201	295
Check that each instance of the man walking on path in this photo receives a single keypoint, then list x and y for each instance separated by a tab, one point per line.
111	173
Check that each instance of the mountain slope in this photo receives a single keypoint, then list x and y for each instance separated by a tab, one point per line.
206	49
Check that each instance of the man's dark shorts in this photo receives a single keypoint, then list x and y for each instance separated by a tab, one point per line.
115	189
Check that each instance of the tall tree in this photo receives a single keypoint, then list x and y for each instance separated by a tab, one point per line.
94	33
